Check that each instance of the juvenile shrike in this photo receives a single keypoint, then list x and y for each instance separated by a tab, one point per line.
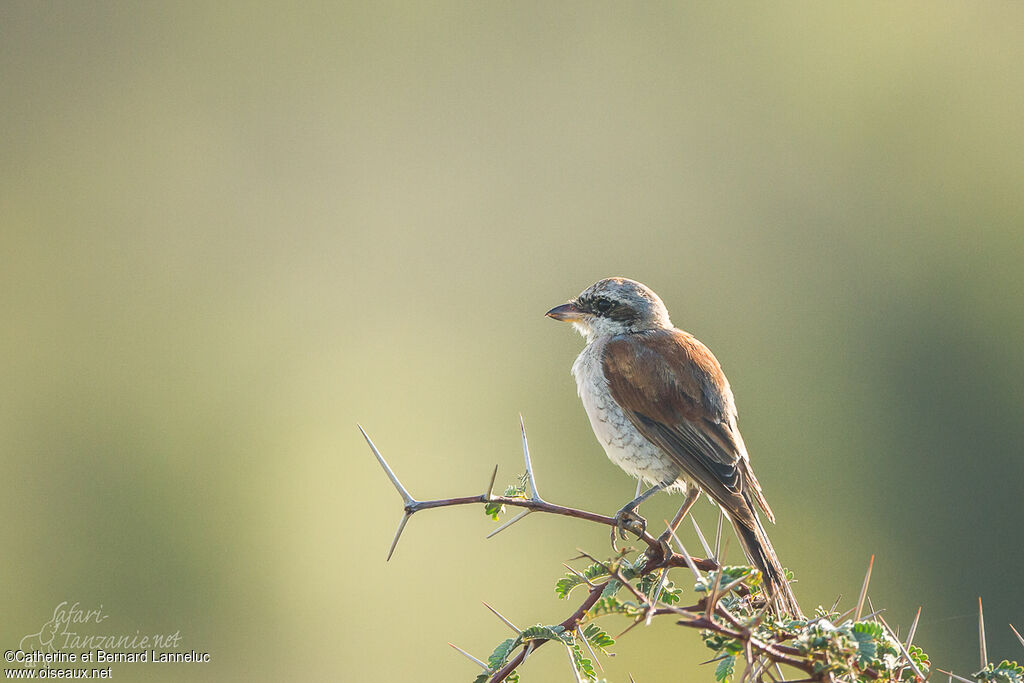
662	409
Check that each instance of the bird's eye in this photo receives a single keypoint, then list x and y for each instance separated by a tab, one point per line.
603	305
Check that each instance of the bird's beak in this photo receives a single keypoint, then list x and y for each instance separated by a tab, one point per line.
567	313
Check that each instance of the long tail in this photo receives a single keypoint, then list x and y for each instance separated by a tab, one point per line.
761	554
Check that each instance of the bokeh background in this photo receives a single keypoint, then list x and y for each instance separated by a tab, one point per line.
229	231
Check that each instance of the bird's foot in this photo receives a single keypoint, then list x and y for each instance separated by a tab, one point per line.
627	519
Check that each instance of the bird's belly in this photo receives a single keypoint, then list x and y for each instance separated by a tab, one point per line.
622	442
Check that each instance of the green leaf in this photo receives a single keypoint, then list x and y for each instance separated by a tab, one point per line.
867	634
612	605
751	576
539	632
597	638
631	570
867	630
1004	672
583	665
611	588
501	653
492	510
565	584
515	491
725	668
720	643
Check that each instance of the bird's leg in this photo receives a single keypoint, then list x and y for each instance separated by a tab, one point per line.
692	494
627	518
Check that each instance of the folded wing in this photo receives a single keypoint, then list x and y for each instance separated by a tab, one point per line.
673	390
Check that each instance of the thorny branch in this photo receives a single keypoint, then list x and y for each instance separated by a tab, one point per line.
763	654
532	504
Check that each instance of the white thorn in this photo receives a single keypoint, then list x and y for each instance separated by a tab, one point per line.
718	535
686	556
657	594
509	523
490	487
953	675
502	617
872	615
391	475
864	591
703	542
534	493
981	636
913	628
585	579
907	656
579	632
471	657
836	603
398	534
1017	633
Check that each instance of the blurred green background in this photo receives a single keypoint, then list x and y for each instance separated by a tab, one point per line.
229	231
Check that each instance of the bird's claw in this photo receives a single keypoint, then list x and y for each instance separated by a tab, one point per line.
627	519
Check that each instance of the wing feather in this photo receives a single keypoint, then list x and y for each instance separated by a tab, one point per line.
673	390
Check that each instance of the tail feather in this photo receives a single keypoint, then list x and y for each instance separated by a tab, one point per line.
761	554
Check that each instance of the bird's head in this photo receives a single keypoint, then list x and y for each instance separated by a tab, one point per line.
612	306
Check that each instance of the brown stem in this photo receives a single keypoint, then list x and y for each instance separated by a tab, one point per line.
569	625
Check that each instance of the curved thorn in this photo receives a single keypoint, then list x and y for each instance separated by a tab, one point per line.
534	493
509	523
406	498
470	657
398	534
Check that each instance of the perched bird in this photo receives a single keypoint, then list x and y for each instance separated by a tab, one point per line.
662	409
